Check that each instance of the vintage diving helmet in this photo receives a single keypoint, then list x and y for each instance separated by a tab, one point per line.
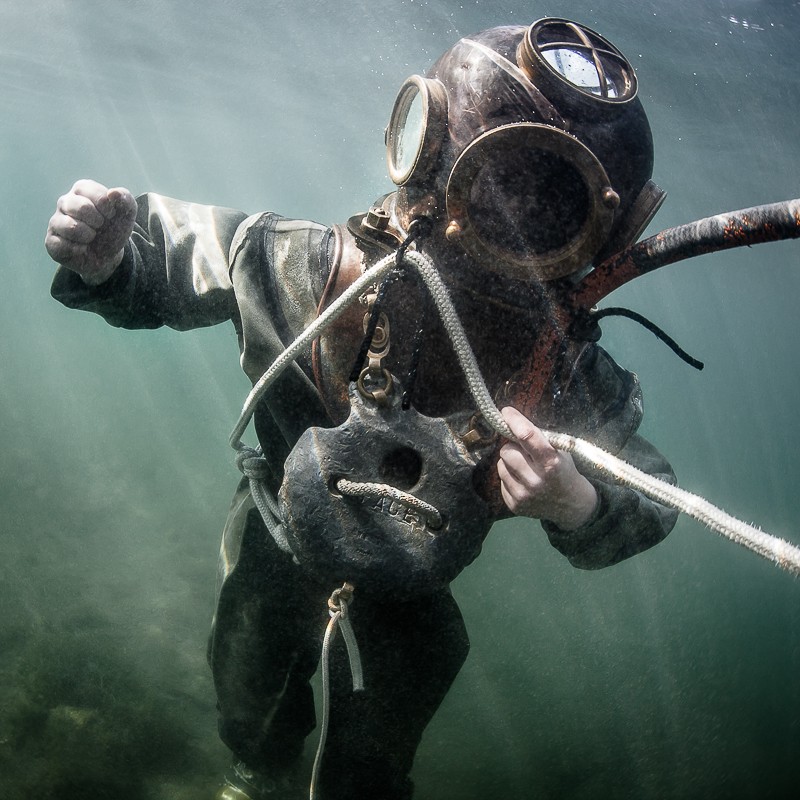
532	147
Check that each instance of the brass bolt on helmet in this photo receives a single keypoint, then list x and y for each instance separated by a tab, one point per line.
533	142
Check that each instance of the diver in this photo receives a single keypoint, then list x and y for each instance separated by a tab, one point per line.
522	158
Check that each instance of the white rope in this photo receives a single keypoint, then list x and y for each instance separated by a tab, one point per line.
777	550
253	465
375	491
466	358
338	608
330	315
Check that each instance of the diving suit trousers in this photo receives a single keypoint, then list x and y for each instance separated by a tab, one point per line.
265	647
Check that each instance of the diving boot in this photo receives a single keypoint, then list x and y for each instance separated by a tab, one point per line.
243	783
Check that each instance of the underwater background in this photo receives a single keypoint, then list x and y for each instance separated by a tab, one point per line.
675	674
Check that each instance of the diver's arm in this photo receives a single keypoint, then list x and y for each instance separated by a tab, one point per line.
601	402
170	267
590	520
625	522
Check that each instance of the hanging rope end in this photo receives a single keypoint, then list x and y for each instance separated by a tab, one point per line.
338	607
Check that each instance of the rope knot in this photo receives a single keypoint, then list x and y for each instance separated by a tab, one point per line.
251	463
339	600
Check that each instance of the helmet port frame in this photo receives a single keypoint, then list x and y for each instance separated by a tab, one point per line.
416	157
464	213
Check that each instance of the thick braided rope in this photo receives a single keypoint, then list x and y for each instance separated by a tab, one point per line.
331	314
778	550
375	491
458	338
253	465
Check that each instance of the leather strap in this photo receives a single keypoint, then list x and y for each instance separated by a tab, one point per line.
334	351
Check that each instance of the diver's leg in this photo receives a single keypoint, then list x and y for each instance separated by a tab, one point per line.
263	651
411	653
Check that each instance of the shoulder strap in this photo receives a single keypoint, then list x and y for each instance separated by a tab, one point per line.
335	350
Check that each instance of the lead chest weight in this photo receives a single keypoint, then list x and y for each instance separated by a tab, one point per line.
385	500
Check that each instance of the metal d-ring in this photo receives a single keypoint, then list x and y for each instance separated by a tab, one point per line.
380	395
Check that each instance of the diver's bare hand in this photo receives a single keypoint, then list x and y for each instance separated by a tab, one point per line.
88	232
538	481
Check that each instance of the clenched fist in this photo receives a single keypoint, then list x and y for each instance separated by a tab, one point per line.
88	232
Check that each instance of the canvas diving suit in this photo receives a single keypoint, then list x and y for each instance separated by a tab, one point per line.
188	266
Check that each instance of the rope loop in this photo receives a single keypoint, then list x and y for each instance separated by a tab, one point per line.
337	608
418	229
376	491
251	463
781	552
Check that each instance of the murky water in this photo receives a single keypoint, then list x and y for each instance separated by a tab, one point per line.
672	675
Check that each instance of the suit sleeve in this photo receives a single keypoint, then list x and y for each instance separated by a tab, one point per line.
603	403
174	271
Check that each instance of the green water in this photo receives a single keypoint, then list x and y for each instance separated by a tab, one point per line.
672	675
